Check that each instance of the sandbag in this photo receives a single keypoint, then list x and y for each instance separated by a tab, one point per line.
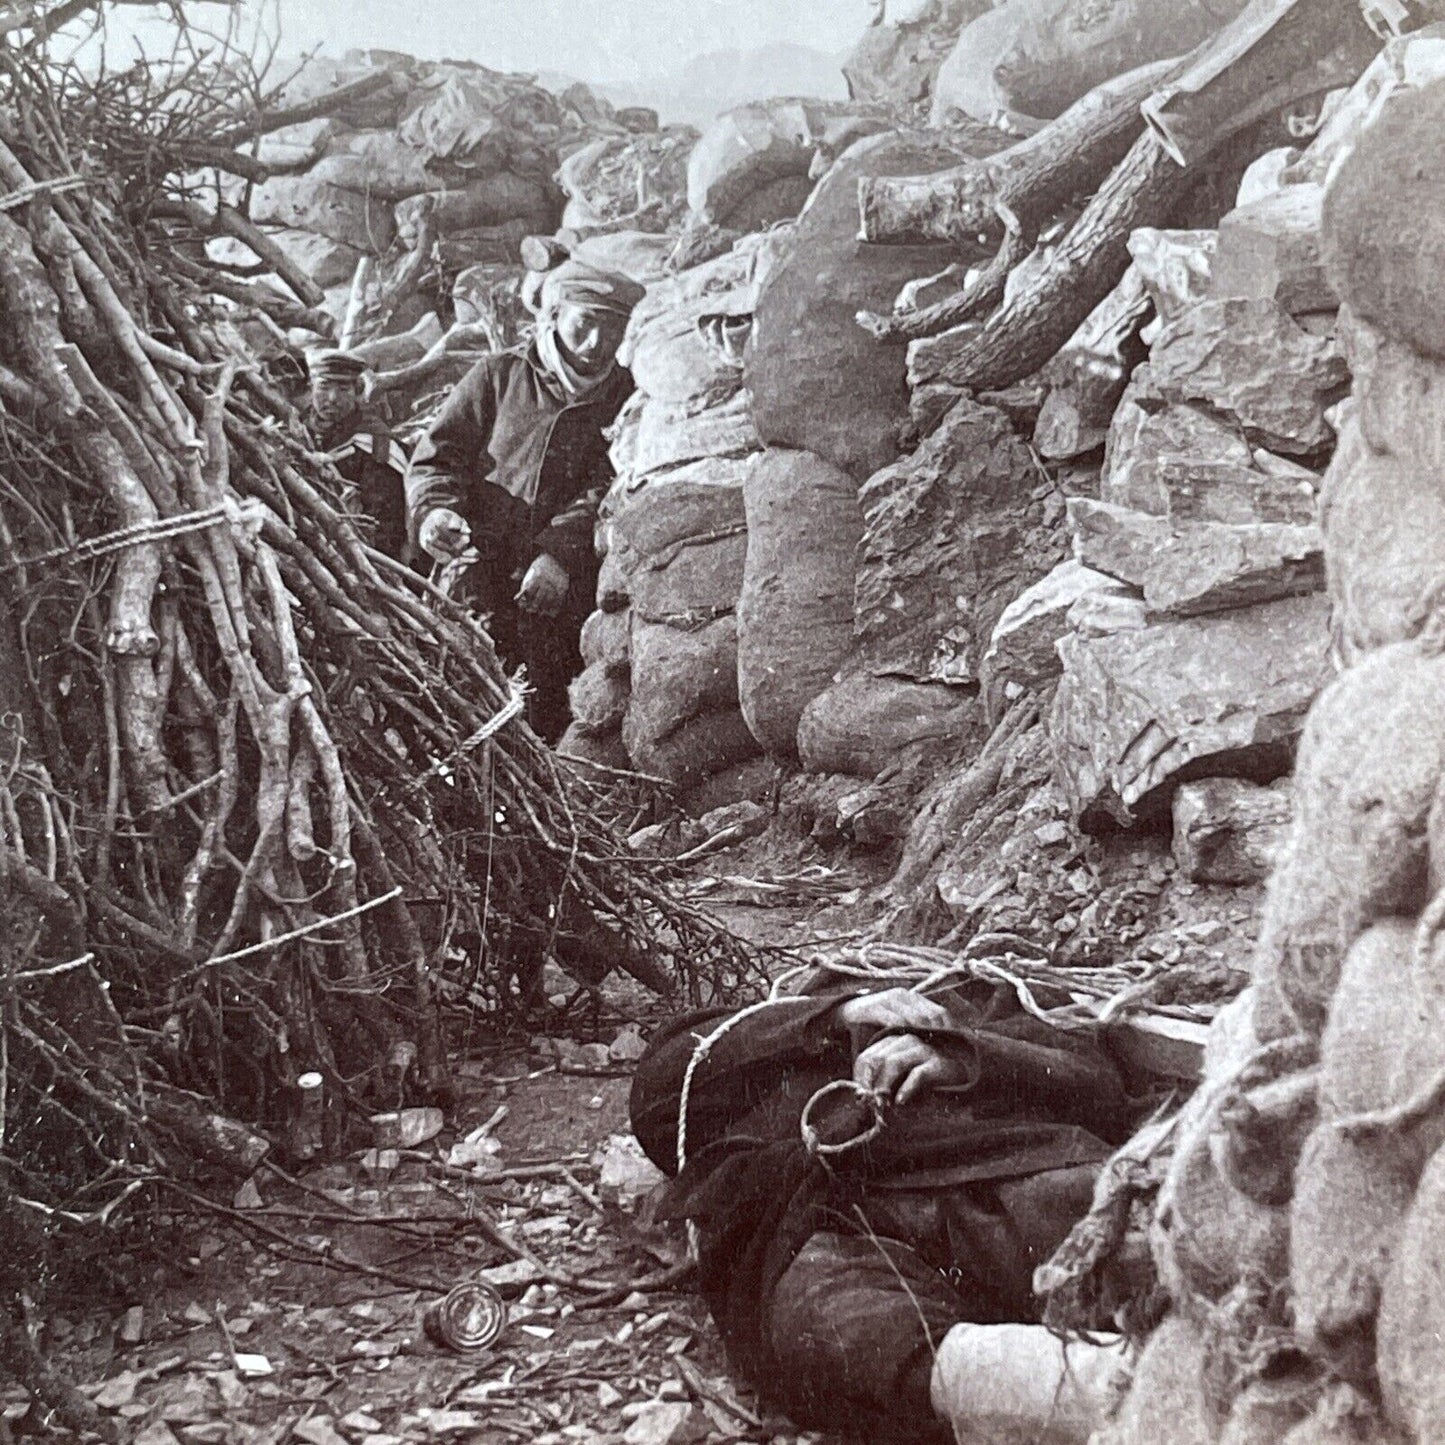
670	433
1349	1206
779	200
1207	1235
1410	1331
362	222
607	642
693	582
896	63
598	700
589	751
642	178
614	580
1385	1038
637	254
678	676
481	120
1384	222
698	750
1165	1404
672	359
753	145
703	499
819	382
862	724
795	611
1370	760
1266	1411
1037	57
1000	1384
376	163
1382	504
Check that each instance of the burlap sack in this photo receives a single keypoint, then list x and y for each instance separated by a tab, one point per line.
697	750
1410	1331
1165	1404
598	700
795	611
588	751
607	642
1370	761
677	676
1349	1205
693	582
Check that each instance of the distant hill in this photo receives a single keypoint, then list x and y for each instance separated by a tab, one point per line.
712	83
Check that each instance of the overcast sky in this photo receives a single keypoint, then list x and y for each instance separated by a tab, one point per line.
594	39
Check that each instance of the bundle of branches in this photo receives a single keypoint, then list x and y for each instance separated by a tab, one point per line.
257	782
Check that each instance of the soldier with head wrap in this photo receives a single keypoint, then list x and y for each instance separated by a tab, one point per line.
361	446
509	476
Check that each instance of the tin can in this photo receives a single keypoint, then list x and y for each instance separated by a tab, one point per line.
469	1317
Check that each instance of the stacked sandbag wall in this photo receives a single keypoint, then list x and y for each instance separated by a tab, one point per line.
456	164
1300	1233
674	534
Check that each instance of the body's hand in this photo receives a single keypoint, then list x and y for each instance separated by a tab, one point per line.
900	1067
544	588
894	1008
444	534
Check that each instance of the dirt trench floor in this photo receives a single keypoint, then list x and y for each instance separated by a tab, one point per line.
296	1314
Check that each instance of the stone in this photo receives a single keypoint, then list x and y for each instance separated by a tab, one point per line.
1270	250
1213	491
625	1173
1088	376
1175	267
1227	830
662	1422
897	62
628	1046
1143	437
818	381
1252	362
862	725
318	1430
944	548
746	819
1139	712
1021	654
1184	568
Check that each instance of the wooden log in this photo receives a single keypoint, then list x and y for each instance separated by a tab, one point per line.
1276	52
228	221
263	122
1032	179
1087	264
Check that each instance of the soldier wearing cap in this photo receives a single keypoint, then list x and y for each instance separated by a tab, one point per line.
510	474
361	446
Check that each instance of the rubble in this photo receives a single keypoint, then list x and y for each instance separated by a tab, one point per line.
1228	830
1250	361
1270	250
1139	711
950	534
1188	567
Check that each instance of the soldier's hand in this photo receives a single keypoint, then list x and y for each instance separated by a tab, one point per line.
893	1008
544	588
444	534
900	1067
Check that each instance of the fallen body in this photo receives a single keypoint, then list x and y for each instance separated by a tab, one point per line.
847	1285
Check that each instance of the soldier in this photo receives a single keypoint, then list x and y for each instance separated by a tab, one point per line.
509	476
362	448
